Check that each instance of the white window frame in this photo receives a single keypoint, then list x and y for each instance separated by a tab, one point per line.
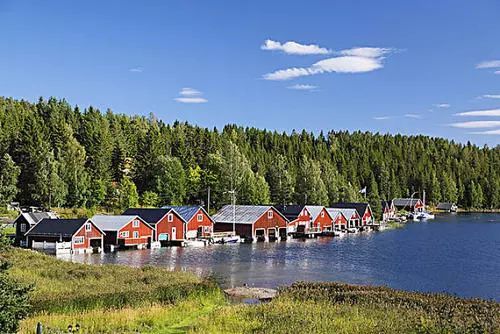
270	214
23	228
199	217
136	223
322	214
124	234
78	240
136	235
88	227
170	217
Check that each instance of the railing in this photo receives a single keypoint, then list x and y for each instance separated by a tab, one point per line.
312	230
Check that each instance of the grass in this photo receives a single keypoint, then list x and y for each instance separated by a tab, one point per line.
117	299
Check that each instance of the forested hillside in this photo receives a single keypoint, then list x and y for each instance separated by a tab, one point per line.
53	154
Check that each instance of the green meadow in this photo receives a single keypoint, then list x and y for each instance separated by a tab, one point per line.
118	299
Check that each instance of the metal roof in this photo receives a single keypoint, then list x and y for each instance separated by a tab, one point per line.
445	206
402	202
347	212
314	210
34	217
63	227
359	207
244	214
114	223
185	211
151	215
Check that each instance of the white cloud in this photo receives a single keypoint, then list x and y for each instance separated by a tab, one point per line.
490	96
190	95
381	118
413	116
476	124
303	87
442	105
487	132
136	70
186	91
294	48
490	112
191	100
345	64
497	72
489	64
366	52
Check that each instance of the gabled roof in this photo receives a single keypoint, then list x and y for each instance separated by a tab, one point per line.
151	215
57	227
187	212
291	212
34	217
408	202
336	212
359	207
386	205
348	213
445	206
114	223
314	210
244	214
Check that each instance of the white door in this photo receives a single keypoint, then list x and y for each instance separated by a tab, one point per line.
174	233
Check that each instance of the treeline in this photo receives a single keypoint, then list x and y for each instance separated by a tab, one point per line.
53	154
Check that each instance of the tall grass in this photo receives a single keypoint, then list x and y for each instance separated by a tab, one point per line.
61	286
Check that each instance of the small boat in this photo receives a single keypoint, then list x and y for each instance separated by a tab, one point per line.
195	243
234	239
352	230
339	233
423	216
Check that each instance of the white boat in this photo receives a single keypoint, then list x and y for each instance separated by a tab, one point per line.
195	243
423	216
338	233
229	239
352	230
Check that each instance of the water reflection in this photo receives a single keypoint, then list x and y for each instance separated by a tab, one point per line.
455	253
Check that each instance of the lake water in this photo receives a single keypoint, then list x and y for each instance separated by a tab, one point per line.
458	254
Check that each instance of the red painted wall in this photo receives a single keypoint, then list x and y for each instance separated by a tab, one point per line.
265	222
340	220
367	216
87	235
303	219
144	230
193	224
164	226
322	222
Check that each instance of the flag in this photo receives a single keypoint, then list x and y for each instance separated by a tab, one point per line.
363	191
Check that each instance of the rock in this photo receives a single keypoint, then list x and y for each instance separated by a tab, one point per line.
247	292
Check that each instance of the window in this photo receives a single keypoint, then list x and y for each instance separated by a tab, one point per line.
78	240
200	217
269	214
206	229
322	214
135	223
136	235
23	228
88	227
124	234
170	217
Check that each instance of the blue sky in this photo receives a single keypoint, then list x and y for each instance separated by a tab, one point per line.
423	68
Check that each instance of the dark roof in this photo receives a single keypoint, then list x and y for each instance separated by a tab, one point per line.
359	207
405	202
386	204
185	211
291	212
34	217
151	215
445	206
64	227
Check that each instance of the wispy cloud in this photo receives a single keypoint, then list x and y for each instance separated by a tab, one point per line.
475	124
190	95
413	116
442	105
489	96
303	87
489	64
489	112
294	48
136	69
357	60
381	118
487	132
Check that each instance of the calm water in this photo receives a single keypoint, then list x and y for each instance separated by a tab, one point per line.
458	254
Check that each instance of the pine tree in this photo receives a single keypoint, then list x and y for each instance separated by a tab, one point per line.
9	172
171	181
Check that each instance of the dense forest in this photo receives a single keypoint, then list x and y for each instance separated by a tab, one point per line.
56	155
